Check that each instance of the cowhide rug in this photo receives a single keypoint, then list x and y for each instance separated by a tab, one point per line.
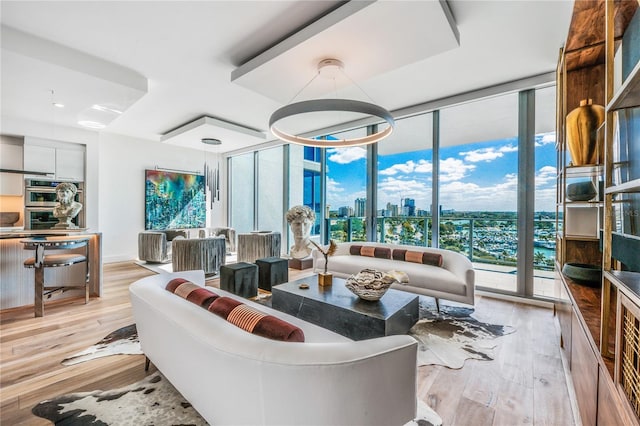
151	401
122	341
452	336
447	338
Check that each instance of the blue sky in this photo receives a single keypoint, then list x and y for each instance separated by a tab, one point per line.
473	177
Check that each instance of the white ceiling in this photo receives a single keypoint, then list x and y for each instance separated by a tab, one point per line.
169	63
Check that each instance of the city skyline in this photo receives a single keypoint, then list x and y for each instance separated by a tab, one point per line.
480	176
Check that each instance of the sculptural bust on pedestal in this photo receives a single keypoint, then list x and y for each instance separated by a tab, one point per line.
301	219
67	208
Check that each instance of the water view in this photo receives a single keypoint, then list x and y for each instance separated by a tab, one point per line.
484	237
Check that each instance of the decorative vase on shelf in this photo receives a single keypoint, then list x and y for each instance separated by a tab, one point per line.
581	191
584	141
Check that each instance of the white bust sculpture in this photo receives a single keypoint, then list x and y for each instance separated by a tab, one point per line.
67	208
301	219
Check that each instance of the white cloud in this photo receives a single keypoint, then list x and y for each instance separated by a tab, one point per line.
347	155
546	175
549	170
508	148
423	166
459	187
401	186
337	200
333	186
545	199
545	139
487	154
452	169
469	196
407	167
391	190
510	183
473	197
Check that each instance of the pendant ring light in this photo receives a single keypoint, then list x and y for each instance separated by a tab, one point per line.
333	105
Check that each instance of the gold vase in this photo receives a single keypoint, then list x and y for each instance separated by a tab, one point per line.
325	280
585	143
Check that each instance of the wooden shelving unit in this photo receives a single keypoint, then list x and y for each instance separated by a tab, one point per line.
627	187
628	96
622	286
599	325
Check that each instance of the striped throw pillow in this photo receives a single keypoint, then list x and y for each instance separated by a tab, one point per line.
236	312
426	258
370	251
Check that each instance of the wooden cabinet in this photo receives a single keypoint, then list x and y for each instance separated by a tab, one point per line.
621	236
564	312
609	403
600	398
606	317
586	72
584	372
627	367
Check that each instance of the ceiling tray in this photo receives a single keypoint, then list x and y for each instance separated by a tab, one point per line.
233	136
363	35
37	73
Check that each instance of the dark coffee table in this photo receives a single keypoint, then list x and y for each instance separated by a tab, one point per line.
339	310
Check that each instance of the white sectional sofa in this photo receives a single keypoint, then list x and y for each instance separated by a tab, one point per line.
453	280
233	377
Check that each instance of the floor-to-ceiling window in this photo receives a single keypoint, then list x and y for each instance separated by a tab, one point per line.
473	173
269	184
241	191
404	184
262	208
346	189
479	187
312	192
544	238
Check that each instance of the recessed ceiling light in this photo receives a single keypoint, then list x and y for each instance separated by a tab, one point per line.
58	105
211	141
91	124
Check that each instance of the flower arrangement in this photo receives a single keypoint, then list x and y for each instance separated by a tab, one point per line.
329	251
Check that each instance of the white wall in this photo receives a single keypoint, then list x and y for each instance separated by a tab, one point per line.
123	161
114	185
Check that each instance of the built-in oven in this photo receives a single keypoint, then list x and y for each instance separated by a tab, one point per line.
42	218
39	200
42	192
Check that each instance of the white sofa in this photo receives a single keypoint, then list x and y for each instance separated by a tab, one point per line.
454	280
233	377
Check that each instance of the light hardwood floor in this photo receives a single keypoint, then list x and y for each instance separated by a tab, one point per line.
525	384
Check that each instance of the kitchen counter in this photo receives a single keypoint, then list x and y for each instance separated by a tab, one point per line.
19	232
17	283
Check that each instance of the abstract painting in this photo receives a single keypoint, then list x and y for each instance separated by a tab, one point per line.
174	200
